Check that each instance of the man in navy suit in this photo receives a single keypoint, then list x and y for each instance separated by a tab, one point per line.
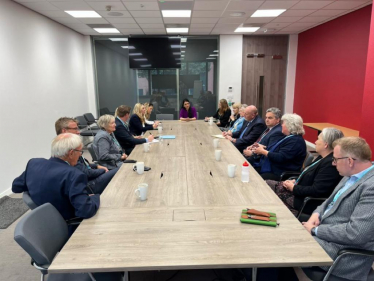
56	181
251	130
122	132
271	135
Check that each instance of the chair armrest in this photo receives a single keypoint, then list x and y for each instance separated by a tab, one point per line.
74	221
306	200
286	175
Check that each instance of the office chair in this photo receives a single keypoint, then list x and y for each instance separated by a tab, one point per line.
164	116
92	152
28	201
42	233
85	130
91	120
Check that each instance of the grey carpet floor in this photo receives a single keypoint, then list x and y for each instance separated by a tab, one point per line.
10	210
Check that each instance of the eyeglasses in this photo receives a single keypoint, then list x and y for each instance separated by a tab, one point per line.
74	129
334	160
80	151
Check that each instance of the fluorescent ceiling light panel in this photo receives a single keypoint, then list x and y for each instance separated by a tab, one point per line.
247	29
119	39
215	51
183	51
135	54
213	55
210	58
176	53
176	13
183	40
128	47
177	46
146	65
107	30
140	59
267	13
83	14
177	29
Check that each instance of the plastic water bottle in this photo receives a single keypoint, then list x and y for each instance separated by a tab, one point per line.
245	172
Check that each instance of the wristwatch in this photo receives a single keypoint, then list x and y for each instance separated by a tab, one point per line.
313	231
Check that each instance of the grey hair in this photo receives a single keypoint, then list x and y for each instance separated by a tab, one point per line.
294	123
276	111
329	135
63	143
104	120
244	105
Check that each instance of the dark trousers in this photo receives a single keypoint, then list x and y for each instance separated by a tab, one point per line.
270	176
271	274
99	184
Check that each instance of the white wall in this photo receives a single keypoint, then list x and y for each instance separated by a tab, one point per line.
230	66
291	73
45	73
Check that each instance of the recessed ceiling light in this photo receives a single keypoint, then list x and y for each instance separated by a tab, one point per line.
119	39
247	29
267	13
141	59
135	54
83	14
176	13
213	55
183	40
215	51
128	47
177	29
146	65
107	30
183	51
177	46
210	58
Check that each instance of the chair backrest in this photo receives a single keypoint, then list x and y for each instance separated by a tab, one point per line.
197	115
89	118
308	159
42	233
82	123
28	201
104	111
92	152
164	116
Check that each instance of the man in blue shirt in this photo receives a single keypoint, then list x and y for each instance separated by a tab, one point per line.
345	219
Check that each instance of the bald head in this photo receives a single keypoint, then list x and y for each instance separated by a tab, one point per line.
250	113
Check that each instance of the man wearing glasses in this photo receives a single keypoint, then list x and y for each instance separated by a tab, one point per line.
56	181
98	176
345	219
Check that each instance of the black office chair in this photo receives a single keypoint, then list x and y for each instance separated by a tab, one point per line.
91	120
85	130
42	233
92	152
164	116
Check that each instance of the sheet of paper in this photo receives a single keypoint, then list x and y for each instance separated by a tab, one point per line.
218	136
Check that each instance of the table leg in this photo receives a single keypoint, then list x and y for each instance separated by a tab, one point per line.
126	276
254	273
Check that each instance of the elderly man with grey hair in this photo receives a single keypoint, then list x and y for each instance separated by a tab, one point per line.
56	181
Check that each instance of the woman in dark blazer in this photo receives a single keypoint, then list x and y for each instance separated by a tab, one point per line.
316	180
137	121
223	114
288	154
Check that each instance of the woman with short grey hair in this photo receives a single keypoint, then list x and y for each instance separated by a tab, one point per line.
288	154
108	150
316	180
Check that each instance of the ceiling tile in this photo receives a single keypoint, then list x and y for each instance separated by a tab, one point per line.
142	6
118	20
200	30
88	32
177	20
126	1
25	1
232	20
308	5
55	14
105	14
314	19
210	5
204	20
154	31
248	13
302	24
259	20
101	6
41	6
286	19
126	25
93	21
345	5
330	13
67	20
97	0
149	20
176	5
77	5
206	14
244	5
288	28
277	25
202	25
277	4
152	25
77	25
297	13
131	31
146	14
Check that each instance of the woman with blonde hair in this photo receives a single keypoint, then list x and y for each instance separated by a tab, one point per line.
137	121
223	114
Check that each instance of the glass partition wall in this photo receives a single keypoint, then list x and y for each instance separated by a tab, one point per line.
196	80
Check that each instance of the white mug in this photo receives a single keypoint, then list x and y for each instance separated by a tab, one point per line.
218	154
142	190
211	121
159	129
146	147
231	170
139	167
215	143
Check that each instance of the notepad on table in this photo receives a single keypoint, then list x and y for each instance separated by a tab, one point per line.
218	136
168	137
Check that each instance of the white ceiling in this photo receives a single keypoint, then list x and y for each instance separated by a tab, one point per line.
208	16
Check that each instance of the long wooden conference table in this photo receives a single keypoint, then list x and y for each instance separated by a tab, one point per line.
191	217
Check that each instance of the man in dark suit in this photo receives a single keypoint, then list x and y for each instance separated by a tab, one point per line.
98	176
56	181
122	132
251	130
271	135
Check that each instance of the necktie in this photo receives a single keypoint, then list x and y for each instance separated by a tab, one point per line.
263	134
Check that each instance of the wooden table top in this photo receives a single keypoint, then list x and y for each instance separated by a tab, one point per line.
191	217
346	131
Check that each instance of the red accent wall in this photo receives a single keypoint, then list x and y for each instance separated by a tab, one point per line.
367	116
330	72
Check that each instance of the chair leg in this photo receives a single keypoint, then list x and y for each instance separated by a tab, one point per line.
126	276
254	274
91	276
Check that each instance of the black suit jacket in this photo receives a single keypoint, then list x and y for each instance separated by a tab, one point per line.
125	138
254	130
136	126
318	181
